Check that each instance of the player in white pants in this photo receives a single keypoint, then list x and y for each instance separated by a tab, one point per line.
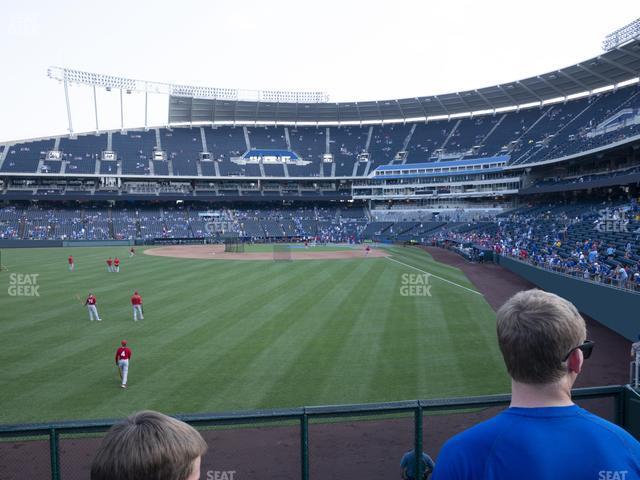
123	354
91	306
136	302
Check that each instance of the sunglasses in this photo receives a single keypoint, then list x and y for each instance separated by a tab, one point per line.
586	347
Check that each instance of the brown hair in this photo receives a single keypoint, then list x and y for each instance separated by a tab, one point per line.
536	330
148	445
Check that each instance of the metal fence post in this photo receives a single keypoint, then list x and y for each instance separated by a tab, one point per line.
417	449
55	457
620	408
304	445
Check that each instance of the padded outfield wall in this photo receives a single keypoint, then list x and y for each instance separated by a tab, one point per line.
63	243
613	307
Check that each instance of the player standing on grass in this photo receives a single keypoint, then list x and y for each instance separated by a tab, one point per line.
136	301
72	265
109	265
132	252
123	354
90	303
116	264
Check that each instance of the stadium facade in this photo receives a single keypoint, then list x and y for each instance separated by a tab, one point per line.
485	150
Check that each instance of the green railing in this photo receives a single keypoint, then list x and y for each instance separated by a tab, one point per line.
626	414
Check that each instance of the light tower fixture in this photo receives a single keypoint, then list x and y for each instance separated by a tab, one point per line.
622	35
129	85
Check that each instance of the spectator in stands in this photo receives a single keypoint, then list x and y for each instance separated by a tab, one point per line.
610	251
543	434
408	465
149	446
623	276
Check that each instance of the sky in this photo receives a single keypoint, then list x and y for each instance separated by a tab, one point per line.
353	50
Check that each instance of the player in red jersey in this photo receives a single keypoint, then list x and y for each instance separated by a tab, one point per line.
123	355
72	265
90	303
116	264
109	265
136	302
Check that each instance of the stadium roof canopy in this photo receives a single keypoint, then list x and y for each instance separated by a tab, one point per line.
618	65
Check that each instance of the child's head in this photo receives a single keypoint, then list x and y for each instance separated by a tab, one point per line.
149	445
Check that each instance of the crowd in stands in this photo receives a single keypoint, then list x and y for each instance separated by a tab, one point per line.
324	224
581	179
593	241
597	241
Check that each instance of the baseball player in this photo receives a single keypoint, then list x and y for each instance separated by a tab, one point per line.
109	265
123	355
116	264
72	265
90	303
635	354
136	302
132	252
367	250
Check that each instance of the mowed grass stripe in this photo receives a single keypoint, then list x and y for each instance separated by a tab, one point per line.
230	363
306	373
353	366
263	370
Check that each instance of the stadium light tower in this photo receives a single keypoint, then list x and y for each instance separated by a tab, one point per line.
68	75
622	35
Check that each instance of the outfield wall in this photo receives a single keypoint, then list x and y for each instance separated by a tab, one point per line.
613	307
30	243
61	243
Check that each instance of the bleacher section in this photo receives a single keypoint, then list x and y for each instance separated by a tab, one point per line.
225	143
527	136
346	143
309	143
267	138
183	146
386	142
24	157
134	150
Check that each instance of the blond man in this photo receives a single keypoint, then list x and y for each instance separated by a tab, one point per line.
543	434
149	446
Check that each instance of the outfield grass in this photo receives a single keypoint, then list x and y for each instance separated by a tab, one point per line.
223	335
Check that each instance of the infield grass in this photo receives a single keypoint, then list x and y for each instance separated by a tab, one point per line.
227	335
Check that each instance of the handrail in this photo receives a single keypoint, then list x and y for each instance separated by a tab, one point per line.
303	415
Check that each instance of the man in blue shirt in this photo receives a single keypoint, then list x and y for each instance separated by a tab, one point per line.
543	434
408	465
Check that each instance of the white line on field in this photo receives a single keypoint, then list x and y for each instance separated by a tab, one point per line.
436	276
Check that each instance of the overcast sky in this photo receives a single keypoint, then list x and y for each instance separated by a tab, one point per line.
353	50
